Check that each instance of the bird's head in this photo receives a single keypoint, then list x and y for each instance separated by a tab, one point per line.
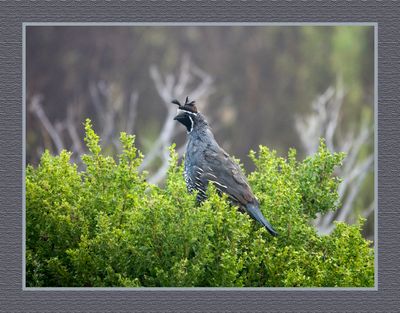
187	114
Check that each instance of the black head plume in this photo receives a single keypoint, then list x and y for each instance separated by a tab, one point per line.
188	106
176	102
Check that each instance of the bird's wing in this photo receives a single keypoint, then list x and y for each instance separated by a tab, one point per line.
226	175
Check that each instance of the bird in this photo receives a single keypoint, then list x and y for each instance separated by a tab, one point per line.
206	162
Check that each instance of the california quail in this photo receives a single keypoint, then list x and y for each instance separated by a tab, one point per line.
206	162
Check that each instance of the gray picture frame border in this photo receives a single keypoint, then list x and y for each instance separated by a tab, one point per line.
15	297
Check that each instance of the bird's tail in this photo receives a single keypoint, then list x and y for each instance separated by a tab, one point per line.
255	213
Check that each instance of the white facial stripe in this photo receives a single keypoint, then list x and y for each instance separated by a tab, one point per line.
188	112
191	127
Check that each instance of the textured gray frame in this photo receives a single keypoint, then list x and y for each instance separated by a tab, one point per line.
15	298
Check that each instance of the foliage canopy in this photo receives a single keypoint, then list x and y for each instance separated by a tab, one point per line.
106	226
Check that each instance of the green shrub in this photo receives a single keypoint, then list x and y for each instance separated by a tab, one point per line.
106	226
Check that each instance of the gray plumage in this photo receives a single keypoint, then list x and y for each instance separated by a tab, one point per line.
207	162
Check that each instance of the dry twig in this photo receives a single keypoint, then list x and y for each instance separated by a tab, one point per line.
323	123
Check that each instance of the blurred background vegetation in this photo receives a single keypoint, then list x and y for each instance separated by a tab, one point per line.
270	85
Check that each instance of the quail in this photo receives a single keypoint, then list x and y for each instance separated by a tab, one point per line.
206	162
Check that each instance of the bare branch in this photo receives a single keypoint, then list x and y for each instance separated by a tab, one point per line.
104	108
370	210
71	127
161	172
133	104
161	88
323	122
108	106
354	189
95	97
184	76
168	89
333	116
361	139
37	109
